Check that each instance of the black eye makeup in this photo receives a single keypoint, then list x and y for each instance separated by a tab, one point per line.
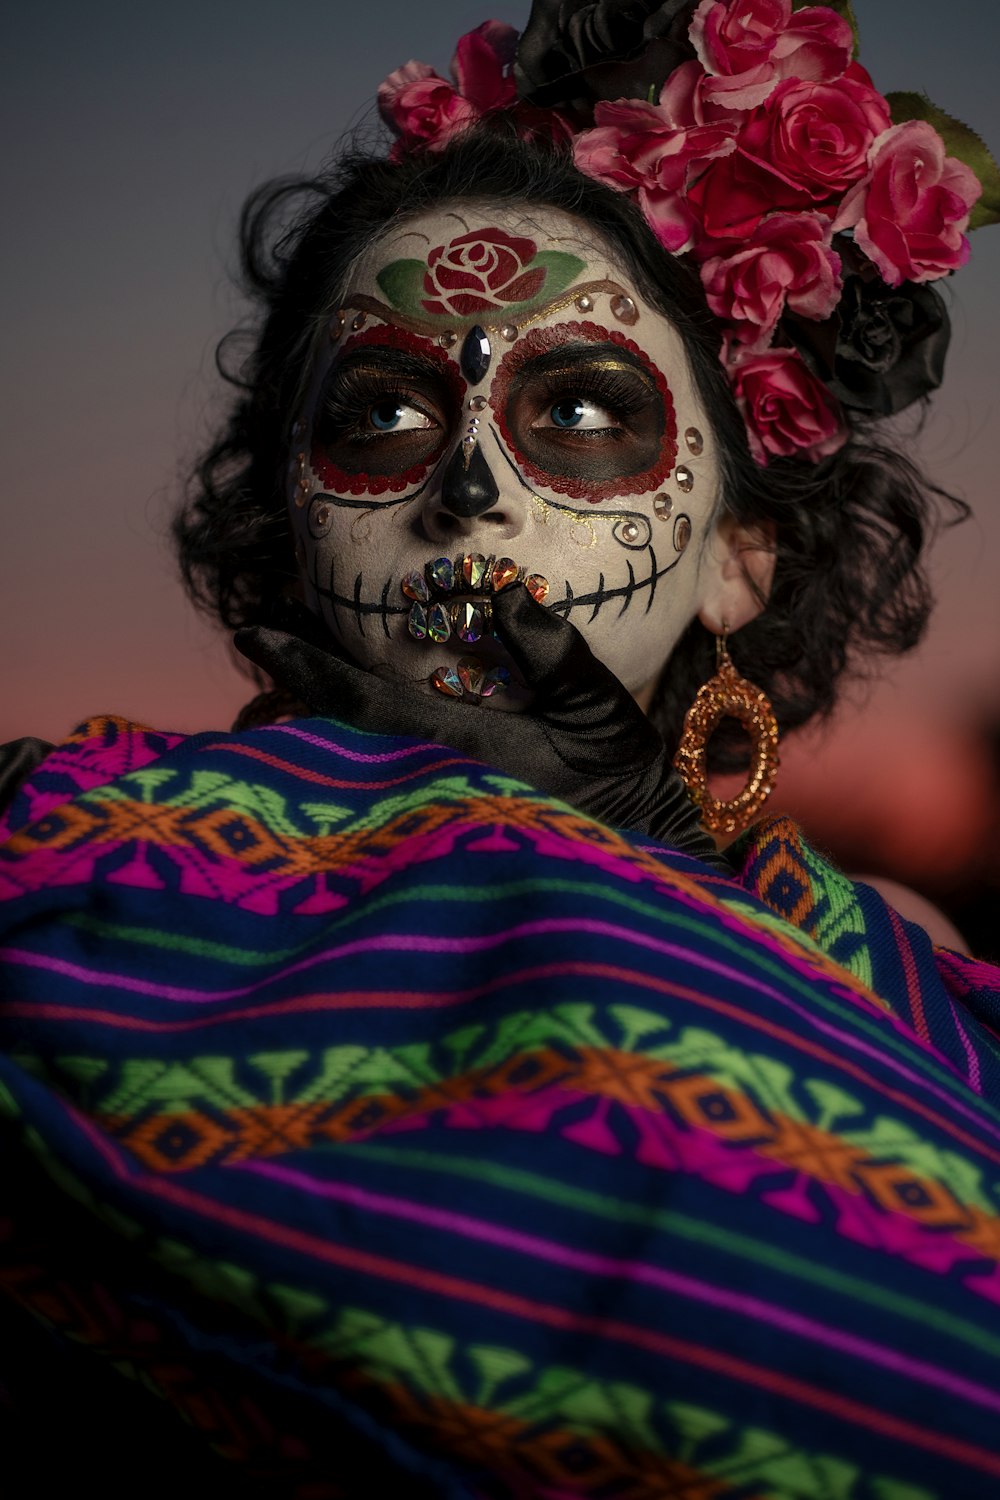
589	417
384	414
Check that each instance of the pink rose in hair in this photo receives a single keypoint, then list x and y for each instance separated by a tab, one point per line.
638	147
804	147
788	413
425	110
787	262
422	108
748	46
911	212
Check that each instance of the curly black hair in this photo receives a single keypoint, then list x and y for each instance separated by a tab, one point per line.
849	532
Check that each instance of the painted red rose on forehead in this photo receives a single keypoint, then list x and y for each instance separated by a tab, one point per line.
482	270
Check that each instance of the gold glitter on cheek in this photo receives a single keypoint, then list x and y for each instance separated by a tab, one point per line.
544	514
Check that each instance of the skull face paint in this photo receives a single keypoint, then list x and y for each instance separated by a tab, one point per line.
551	451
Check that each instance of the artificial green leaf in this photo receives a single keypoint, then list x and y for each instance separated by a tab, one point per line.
843	8
403	284
959	140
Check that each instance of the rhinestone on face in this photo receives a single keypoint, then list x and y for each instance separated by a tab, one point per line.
695	441
476	355
474	569
360	319
337	323
469	621
629	532
470	674
504	573
448	340
682	533
447	681
662	507
684	479
414	587
538	587
494	681
509	332
441	574
585	303
624	309
477	403
438	624
417	623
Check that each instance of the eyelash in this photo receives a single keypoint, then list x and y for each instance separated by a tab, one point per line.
348	404
346	407
619	395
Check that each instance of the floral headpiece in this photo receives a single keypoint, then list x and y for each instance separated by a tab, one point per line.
817	211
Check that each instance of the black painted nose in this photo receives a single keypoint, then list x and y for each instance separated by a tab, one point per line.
467	486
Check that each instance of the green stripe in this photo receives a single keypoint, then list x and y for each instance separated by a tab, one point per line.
666	916
765	1253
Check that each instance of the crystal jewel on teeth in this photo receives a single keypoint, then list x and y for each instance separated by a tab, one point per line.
414	586
441	574
474	569
471	673
504	573
469	621
447	681
438	624
494	681
417	623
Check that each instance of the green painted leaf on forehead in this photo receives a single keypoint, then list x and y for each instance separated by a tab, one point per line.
562	269
961	141
411	288
402	281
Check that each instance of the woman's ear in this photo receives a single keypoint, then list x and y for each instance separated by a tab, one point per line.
737	572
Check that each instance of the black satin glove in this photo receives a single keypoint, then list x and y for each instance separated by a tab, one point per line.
584	739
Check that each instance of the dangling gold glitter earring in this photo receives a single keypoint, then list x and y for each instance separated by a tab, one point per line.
727	694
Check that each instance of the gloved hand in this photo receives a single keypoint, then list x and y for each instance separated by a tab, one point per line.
584	739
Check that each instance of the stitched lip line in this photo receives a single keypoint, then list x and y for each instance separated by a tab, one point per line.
381	610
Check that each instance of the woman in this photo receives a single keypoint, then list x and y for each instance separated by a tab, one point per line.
425	1106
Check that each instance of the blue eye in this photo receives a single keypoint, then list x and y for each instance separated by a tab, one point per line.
567	413
386	415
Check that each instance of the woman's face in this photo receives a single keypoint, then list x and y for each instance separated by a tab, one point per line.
492	387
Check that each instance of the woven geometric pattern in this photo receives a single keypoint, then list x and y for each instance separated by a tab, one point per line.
409	1132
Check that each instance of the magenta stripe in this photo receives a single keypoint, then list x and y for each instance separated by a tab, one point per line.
629	1270
391	942
975	1079
420	748
408	943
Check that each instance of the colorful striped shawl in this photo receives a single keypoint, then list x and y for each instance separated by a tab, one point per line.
414	1134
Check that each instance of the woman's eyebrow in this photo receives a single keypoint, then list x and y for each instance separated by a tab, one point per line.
570	358
384	360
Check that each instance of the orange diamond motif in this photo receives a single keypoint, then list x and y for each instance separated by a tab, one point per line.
708	1105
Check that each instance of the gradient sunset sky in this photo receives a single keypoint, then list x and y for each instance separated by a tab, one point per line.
134	132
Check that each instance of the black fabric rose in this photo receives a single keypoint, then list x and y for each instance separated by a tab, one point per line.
884	347
572	55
